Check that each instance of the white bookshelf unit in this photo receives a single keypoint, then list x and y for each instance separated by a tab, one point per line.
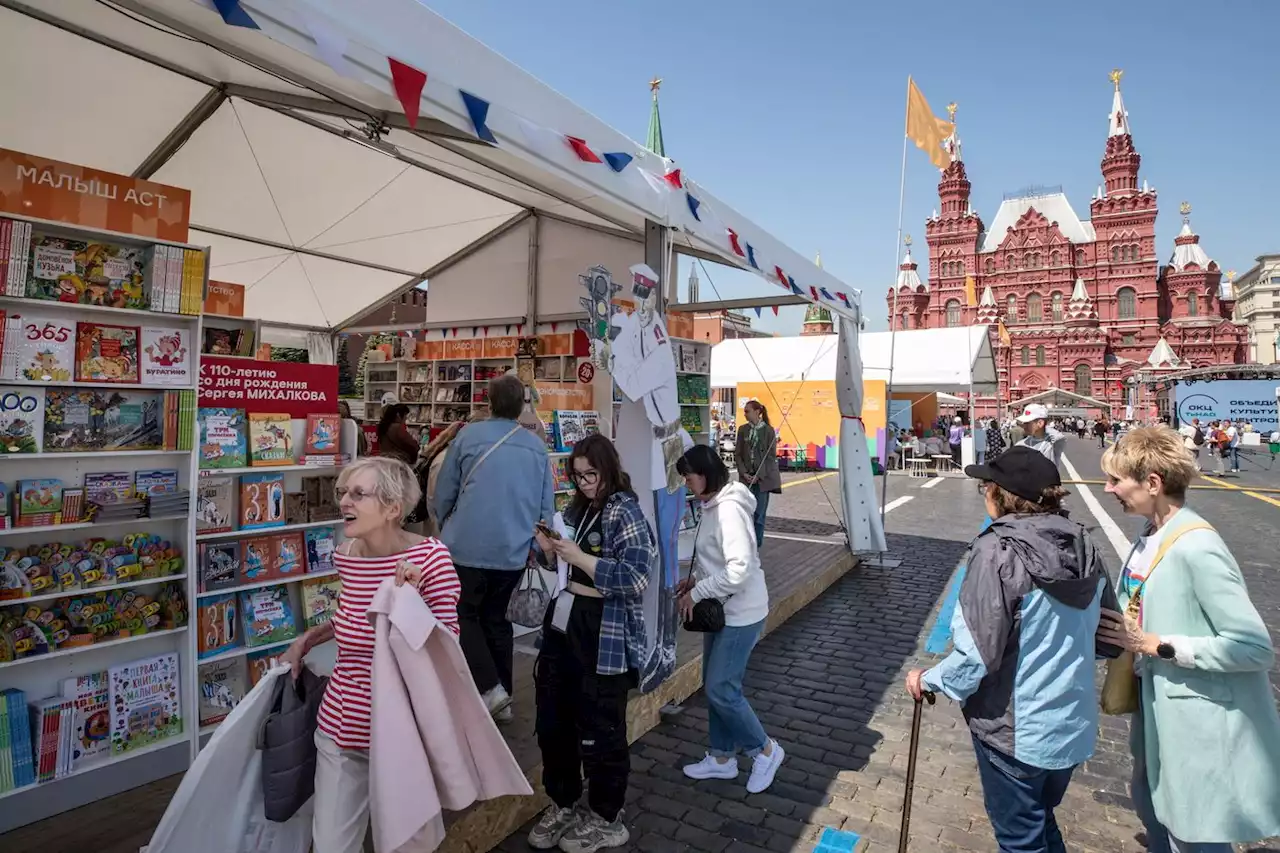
70	655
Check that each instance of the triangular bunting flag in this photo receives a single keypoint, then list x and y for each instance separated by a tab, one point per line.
444	333
455	331
331	44
781	276
734	244
813	291
580	148
693	206
794	289
826	294
408	83
758	311
555	327
775	310
617	160
673	178
474	329
508	331
486	331
843	297
235	16
478	109
520	328
751	256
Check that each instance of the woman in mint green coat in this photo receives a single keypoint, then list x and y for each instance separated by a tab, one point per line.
1206	740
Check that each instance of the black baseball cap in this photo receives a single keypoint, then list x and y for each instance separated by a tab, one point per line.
1020	471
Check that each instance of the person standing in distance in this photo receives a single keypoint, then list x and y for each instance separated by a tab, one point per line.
1041	437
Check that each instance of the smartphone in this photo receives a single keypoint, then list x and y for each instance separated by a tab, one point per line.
546	531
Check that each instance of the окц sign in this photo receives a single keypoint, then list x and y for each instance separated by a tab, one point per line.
1252	400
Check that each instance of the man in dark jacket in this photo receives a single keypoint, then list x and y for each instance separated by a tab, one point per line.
1024	649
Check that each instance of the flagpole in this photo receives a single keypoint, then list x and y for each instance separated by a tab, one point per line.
893	316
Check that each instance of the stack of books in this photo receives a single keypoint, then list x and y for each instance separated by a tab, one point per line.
16	767
166	504
15	256
179	420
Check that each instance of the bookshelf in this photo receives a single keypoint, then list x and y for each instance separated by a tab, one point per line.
89	428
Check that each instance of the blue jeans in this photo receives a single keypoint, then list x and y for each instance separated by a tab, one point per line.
1235	458
734	726
1020	800
1158	838
762	509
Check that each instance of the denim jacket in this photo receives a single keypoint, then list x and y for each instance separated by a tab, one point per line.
491	526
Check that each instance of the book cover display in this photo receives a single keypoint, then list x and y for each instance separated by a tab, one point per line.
91	696
223	443
259	561
223	684
106	353
87	272
44	347
157	482
288	555
215	504
21	420
321	543
218	621
268	616
270	439
573	426
165	356
144	702
108	487
83	420
219	565
261	501
322	434
320	600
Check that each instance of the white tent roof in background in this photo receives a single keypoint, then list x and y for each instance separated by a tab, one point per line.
923	360
317	226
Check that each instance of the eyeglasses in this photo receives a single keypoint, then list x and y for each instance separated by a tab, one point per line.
585	478
356	494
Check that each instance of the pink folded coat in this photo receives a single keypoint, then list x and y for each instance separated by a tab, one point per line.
433	745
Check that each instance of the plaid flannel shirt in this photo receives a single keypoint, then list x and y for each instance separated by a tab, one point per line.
622	574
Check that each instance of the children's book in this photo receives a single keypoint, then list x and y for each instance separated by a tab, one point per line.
573	426
288	554
260	663
106	353
258	562
320	599
21	419
321	542
215	504
223	684
165	356
270	439
268	616
322	434
37	497
261	501
45	348
83	420
559	467
92	734
222	438
219	565
87	273
108	487
145	702
218	622
156	482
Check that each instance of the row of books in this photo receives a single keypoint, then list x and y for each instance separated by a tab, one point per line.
102	497
97	715
279	556
223	683
692	358
40	265
231	439
41	348
37	628
57	420
692	389
566	427
236	341
259	502
265	616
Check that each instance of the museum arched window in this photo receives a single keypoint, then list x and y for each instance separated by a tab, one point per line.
953	312
1054	259
991	264
1012	312
1084	379
1115	254
1056	303
1193	305
1079	257
1040	356
1126	304
1026	356
1035	308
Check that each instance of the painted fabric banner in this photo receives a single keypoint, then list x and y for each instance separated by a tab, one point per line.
1252	400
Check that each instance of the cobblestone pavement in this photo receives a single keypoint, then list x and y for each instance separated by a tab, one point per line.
827	685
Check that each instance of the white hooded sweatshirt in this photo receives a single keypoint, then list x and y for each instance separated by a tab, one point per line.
726	561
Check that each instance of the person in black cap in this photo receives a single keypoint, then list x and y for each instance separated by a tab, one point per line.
1022	664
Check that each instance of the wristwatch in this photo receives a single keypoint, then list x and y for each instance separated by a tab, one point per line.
1165	651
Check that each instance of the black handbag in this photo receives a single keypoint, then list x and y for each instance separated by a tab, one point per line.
708	614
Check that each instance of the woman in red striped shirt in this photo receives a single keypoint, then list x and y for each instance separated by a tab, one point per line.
374	495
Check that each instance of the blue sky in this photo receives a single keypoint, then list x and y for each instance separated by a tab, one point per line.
793	112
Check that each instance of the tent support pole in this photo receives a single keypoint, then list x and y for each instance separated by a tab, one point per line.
893	316
285	247
191	122
654	244
531	295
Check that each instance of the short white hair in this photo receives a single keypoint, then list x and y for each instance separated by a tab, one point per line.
393	481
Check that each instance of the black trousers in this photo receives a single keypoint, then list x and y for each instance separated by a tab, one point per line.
581	716
486	636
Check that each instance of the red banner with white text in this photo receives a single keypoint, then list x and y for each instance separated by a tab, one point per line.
268	386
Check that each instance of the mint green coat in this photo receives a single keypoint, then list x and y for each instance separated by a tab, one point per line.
1211	729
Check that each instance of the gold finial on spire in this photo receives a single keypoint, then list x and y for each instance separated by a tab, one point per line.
1185	208
1115	75
951	111
906	241
654	84
1231	274
817	260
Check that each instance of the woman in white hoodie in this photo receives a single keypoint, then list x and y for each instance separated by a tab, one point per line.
726	567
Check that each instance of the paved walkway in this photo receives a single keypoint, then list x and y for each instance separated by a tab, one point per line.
827	685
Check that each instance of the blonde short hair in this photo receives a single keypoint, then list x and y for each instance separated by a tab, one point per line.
393	481
1152	450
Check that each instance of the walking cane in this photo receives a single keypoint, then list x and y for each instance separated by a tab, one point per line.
911	769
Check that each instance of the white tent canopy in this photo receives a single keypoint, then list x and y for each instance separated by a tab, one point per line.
318	225
923	360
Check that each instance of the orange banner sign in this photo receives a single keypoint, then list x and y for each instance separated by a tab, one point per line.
463	348
63	192
224	299
500	347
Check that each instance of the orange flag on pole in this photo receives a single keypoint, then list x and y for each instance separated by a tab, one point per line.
970	297
924	128
1004	333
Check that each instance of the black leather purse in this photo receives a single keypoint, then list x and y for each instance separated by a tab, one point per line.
708	614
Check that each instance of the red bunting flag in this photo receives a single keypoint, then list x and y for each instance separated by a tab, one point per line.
673	178
455	331
775	310
816	297
843	297
585	154
555	327
782	277
408	83
733	243
486	331
519	328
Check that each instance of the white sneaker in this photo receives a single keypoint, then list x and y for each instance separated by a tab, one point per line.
496	700
711	767
764	768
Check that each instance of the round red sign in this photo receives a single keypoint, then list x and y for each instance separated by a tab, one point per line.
586	372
